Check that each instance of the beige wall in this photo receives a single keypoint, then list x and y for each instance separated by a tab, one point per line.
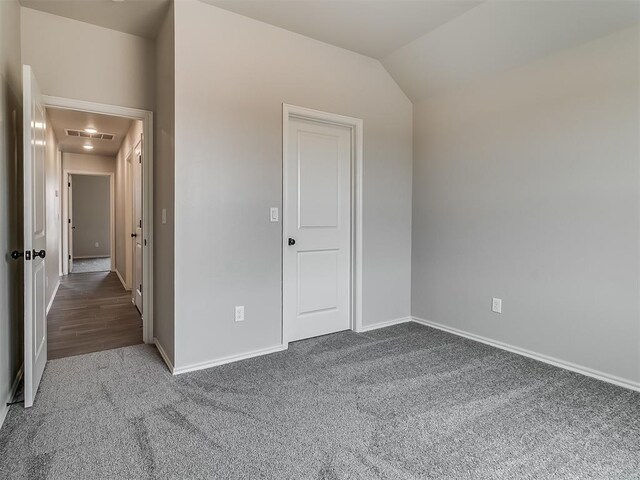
88	163
53	222
527	187
124	217
77	60
232	76
91	216
164	177
10	199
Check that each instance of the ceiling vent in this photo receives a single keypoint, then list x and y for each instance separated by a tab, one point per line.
94	136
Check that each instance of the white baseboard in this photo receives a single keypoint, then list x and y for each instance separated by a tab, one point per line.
53	297
605	377
122	281
388	323
231	359
4	408
164	355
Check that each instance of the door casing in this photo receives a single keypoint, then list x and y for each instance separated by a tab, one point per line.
356	127
146	117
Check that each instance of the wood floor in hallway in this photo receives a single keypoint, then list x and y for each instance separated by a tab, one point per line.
91	312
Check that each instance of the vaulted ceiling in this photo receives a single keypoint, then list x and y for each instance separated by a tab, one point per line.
426	45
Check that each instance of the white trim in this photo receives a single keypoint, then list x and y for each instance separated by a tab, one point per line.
605	377
4	408
146	117
53	296
112	214
230	359
388	323
164	355
356	125
82	257
125	286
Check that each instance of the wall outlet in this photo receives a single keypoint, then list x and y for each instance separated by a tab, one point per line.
97	244
496	305
240	314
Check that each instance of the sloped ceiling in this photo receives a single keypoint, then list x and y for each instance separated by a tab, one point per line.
372	27
500	35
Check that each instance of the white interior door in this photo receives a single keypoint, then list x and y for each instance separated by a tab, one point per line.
137	218
35	320
317	257
71	228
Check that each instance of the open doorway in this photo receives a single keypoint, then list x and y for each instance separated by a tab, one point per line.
99	303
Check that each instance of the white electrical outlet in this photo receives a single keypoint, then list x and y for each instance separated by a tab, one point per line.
496	305
240	314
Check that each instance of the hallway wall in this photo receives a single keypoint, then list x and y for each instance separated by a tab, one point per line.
53	180
10	200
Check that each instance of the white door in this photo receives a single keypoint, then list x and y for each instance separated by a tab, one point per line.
70	222
316	271
137	225
35	319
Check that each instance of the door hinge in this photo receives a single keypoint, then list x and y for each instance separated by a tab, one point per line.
69	220
140	288
69	257
140	223
69	184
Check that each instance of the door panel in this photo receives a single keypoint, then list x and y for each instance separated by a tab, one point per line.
35	321
137	218
316	271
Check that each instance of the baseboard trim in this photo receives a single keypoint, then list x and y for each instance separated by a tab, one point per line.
605	377
164	355
53	297
122	281
388	323
4	408
230	359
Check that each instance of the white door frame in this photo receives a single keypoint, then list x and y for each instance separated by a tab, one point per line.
356	126
146	117
66	206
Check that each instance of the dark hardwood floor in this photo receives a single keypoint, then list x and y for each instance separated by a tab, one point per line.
91	312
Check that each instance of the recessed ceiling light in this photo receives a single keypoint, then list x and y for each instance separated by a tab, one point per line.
91	130
88	147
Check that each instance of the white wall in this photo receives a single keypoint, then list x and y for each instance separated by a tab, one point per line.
123	202
77	60
232	76
526	187
91	216
10	203
164	177
53	221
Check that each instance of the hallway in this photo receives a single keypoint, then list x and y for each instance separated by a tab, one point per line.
91	312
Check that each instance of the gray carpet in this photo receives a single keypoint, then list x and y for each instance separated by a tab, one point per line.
87	265
405	402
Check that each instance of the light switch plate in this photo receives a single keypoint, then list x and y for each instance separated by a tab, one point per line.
164	215
274	214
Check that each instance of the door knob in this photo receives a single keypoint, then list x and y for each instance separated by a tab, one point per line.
16	254
40	254
291	242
